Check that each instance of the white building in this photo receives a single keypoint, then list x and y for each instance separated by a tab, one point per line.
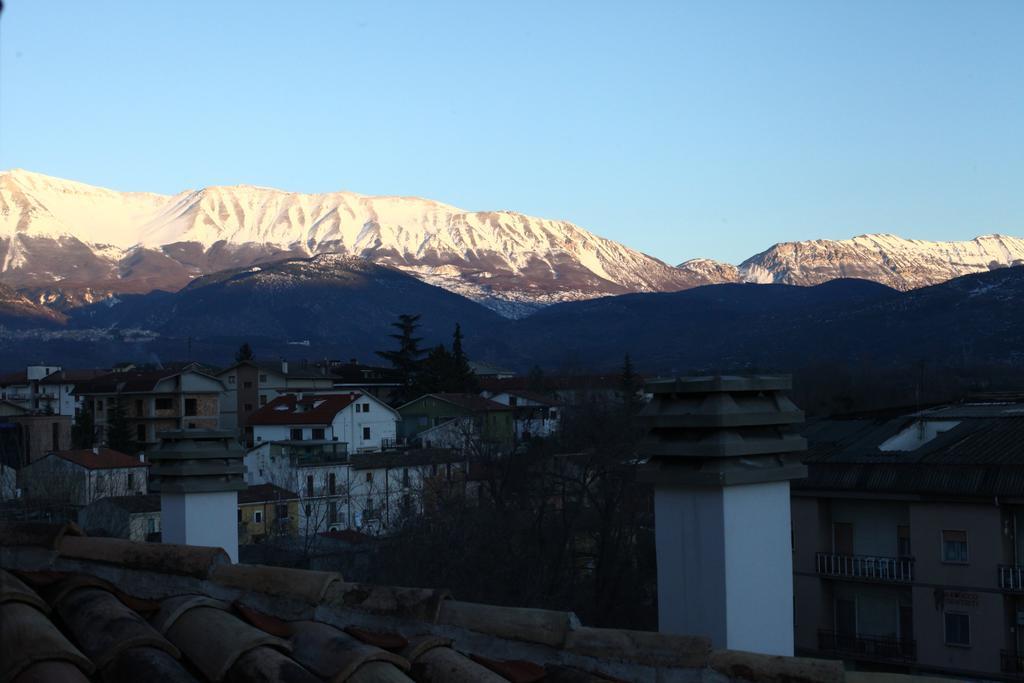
534	414
81	477
46	388
360	420
318	471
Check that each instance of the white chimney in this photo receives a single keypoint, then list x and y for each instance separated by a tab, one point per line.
95	450
142	457
198	475
284	366
717	450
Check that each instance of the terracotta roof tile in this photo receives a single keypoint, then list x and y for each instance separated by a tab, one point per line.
265	493
471	402
104	459
307	410
36	533
251	623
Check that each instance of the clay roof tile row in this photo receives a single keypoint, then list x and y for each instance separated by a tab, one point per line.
138	611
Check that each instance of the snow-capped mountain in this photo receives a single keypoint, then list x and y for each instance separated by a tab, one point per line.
67	243
890	260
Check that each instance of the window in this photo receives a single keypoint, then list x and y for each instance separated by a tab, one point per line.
140	432
331	483
138	407
151	525
247	385
282	511
958	629
164	404
263	400
257	517
366	433
296	434
369	477
191	407
332	513
231	379
99	405
309	487
954	547
263	379
903	540
366	407
318	433
131	481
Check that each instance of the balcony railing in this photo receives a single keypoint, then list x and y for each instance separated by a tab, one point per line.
1011	663
1011	578
866	567
883	648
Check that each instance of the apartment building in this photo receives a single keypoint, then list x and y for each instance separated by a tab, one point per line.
45	388
360	420
908	541
154	401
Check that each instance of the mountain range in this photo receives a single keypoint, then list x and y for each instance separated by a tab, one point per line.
65	244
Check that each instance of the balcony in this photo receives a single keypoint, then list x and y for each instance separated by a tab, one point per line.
1011	578
875	648
866	567
1011	663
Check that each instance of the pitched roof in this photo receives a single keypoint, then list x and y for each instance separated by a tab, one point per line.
149	502
471	402
264	493
411	457
316	409
129	382
980	452
105	459
72	376
185	613
535	396
20	377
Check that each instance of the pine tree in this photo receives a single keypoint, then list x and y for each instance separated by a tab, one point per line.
408	356
119	433
83	431
244	353
464	379
627	382
437	372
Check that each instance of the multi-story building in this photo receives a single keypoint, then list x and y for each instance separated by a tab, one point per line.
534	413
249	385
362	421
153	402
317	470
266	511
80	477
908	541
448	420
46	388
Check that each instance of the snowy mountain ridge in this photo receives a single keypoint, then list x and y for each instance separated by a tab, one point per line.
497	254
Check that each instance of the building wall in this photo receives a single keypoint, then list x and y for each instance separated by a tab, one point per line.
270	524
41	434
971	588
348	425
874	525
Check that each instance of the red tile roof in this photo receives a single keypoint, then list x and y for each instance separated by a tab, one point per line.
307	410
105	459
471	402
262	493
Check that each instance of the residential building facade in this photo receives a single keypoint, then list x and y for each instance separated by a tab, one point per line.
154	402
362	421
265	511
135	517
453	420
81	477
908	553
534	414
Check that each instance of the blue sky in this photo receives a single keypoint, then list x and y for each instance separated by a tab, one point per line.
679	128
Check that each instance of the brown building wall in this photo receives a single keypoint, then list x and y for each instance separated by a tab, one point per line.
41	434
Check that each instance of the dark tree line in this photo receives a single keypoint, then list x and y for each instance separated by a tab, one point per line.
426	371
